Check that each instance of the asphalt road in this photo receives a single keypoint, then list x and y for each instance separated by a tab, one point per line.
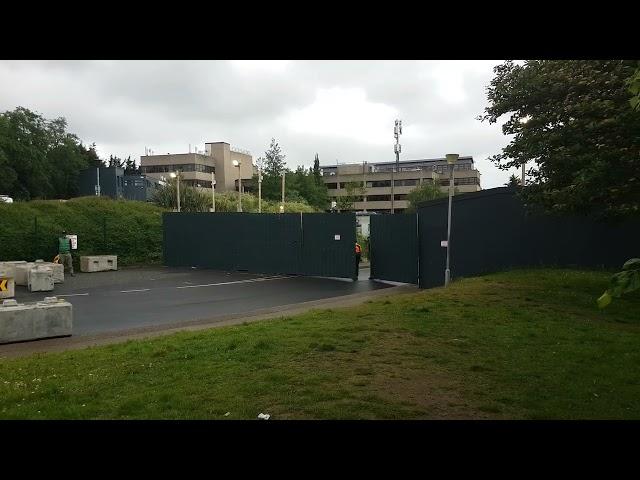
129	299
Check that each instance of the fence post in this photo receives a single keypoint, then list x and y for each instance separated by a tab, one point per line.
35	238
104	236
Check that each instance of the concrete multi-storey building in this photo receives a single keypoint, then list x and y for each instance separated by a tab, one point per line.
374	181
196	168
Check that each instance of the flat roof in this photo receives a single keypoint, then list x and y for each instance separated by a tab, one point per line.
402	162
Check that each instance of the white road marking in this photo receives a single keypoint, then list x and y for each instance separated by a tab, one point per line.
262	279
141	290
72	295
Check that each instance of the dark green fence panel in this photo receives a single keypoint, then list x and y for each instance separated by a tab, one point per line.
393	245
328	244
491	230
288	243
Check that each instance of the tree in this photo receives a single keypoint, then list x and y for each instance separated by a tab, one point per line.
39	158
354	193
273	167
316	171
634	88
581	141
426	191
626	281
514	181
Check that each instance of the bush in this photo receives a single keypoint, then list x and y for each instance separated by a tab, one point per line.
130	229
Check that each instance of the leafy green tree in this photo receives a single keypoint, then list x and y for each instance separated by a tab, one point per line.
626	281
422	193
634	88
514	181
301	185
317	176
39	158
572	126
354	191
273	166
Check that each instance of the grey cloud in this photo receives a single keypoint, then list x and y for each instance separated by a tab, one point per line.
126	105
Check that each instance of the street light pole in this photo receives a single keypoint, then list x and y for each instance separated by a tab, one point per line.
237	163
282	205
213	192
451	160
260	191
523	121
176	175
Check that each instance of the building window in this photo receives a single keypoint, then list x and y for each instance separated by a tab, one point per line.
184	167
402	196
332	186
379	183
406	183
378	198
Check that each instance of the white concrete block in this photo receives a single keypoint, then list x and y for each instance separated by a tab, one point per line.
7	283
98	263
49	318
22	272
40	279
11	266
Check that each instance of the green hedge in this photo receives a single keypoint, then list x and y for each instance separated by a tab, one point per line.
132	230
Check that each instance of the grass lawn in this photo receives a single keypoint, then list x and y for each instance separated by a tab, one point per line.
520	344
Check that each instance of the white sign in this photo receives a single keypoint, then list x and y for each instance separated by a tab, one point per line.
74	241
444	243
336	237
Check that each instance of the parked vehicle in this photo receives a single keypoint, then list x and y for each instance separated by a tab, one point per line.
6	199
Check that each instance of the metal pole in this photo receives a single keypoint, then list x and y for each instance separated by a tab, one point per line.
213	192
260	191
283	175
98	180
364	185
239	190
392	188
447	272
523	172
178	178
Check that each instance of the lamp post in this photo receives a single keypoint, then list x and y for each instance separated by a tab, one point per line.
282	204
213	192
177	175
237	163
523	121
260	190
451	160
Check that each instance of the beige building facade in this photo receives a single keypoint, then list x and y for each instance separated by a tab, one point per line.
196	168
376	179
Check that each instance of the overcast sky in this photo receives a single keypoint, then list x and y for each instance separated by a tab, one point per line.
343	110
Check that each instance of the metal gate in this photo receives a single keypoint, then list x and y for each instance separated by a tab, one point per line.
393	247
319	244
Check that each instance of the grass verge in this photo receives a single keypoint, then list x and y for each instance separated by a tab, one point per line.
521	344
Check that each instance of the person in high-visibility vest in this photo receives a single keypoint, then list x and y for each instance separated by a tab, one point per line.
358	256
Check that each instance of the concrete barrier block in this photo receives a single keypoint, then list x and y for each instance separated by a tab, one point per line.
98	263
57	268
7	283
22	272
40	279
21	322
109	262
11	267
